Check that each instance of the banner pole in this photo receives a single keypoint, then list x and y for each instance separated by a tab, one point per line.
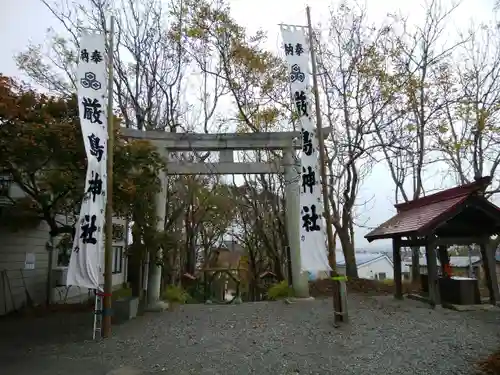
337	304
108	251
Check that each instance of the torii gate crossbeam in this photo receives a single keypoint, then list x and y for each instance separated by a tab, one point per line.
226	144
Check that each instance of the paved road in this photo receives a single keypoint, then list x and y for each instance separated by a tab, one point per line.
384	337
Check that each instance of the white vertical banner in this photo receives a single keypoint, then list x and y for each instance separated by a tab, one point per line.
313	251
85	262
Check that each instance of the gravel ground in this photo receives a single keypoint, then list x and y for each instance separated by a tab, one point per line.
383	337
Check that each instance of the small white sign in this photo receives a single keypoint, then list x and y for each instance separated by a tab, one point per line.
29	262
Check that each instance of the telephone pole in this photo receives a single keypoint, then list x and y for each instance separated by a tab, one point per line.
337	302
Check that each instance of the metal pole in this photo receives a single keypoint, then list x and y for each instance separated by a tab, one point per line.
337	305
108	252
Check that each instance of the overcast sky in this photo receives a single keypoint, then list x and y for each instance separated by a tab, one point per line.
25	21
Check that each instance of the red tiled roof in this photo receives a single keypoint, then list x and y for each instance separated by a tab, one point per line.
420	214
457	191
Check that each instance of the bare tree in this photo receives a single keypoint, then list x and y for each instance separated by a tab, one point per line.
417	53
261	220
149	56
255	78
467	135
353	76
151	59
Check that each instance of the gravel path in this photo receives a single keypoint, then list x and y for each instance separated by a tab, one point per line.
384	337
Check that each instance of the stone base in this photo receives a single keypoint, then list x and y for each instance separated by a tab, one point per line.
296	299
484	307
125	309
418	297
237	301
158	306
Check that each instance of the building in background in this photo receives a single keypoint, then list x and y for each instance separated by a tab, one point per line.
460	266
24	262
375	266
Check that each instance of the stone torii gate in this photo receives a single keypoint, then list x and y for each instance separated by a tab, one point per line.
226	144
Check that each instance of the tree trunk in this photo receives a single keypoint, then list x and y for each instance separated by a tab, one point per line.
277	266
134	272
252	276
190	264
191	259
351	270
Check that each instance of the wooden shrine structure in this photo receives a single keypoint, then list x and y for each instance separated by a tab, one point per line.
456	216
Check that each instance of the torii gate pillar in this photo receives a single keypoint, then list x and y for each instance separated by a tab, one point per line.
225	144
154	268
292	203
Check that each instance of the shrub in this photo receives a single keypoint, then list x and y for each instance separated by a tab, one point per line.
176	294
279	291
389	282
196	293
122	293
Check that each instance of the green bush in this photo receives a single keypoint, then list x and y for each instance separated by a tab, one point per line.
196	293
279	291
176	294
122	293
389	282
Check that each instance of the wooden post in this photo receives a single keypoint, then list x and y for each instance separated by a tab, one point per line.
487	256
430	253
398	277
337	302
444	259
108	251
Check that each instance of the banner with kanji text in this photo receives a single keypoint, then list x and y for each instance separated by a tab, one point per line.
88	245
313	252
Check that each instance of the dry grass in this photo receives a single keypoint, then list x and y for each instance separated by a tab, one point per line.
323	288
490	365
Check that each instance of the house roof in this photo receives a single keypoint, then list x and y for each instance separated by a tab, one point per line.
420	215
361	258
455	261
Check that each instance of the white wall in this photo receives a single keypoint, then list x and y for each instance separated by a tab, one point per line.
367	270
371	269
13	249
16	282
73	294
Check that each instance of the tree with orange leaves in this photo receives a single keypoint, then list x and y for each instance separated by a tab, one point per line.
41	149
